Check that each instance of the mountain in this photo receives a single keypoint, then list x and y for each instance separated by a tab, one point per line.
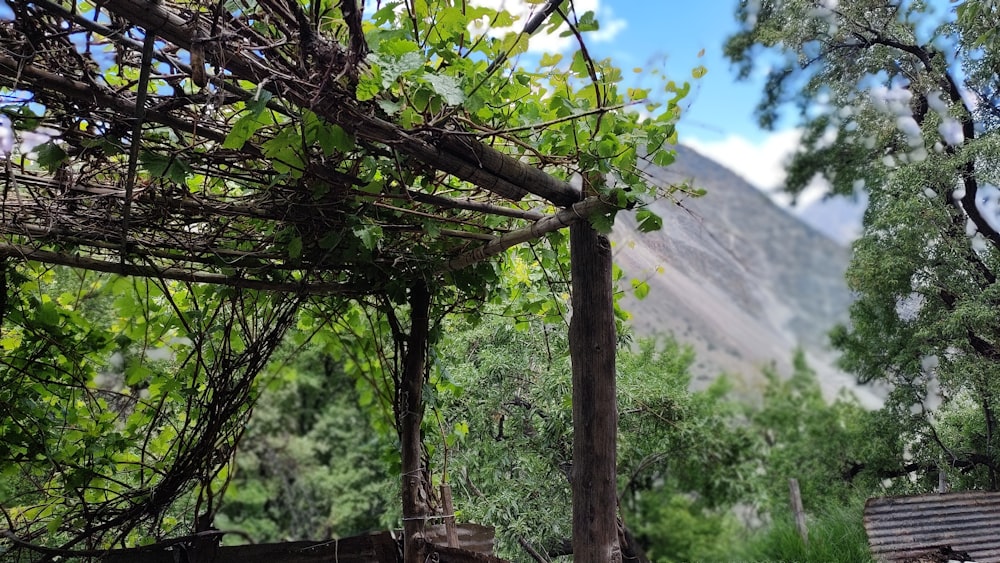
737	277
838	217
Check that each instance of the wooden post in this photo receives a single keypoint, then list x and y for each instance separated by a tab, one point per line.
451	530
592	343
415	509
797	510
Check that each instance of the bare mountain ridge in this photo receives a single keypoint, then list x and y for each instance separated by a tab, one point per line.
737	277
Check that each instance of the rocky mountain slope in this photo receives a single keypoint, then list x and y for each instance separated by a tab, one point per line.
738	278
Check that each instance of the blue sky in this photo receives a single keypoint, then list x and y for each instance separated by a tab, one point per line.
669	34
719	119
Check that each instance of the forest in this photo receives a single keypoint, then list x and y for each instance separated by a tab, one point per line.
286	271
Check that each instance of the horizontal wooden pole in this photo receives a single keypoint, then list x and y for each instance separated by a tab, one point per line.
564	218
175	273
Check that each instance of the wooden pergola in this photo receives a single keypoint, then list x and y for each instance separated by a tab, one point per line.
232	149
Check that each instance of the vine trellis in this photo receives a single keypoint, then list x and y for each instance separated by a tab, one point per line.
305	148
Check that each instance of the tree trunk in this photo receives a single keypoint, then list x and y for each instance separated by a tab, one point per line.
595	411
415	508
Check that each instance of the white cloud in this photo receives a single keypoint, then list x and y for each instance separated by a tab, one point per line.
543	42
762	164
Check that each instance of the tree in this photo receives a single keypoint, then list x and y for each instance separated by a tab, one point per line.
311	465
122	401
504	436
899	100
806	438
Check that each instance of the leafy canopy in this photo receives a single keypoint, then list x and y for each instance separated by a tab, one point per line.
897	100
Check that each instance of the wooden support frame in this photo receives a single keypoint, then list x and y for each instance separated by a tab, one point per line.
462	155
411	416
593	342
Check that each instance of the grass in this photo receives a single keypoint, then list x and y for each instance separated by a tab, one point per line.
835	534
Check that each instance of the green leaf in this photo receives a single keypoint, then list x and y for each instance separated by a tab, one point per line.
447	87
394	67
608	147
333	138
550	59
579	64
165	166
699	71
515	43
640	288
398	47
47	314
295	248
636	94
390	107
369	236
679	92
451	22
664	157
50	156
248	123
369	86
242	130
366	397
588	22
136	373
602	223
648	221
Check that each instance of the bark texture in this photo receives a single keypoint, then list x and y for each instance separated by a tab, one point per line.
595	411
415	508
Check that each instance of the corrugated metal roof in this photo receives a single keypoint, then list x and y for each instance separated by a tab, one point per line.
902	527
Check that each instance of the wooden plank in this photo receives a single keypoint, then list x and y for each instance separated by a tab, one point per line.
372	548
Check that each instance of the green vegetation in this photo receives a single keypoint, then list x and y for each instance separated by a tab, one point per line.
835	534
897	100
499	433
137	409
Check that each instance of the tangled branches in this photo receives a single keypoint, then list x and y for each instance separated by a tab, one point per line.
142	444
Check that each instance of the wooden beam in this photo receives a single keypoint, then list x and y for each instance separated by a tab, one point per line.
592	345
35	80
511	169
180	274
472	205
376	547
564	218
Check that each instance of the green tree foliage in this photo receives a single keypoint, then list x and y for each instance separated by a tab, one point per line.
898	100
808	439
317	458
676	527
803	436
311	465
116	391
504	433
